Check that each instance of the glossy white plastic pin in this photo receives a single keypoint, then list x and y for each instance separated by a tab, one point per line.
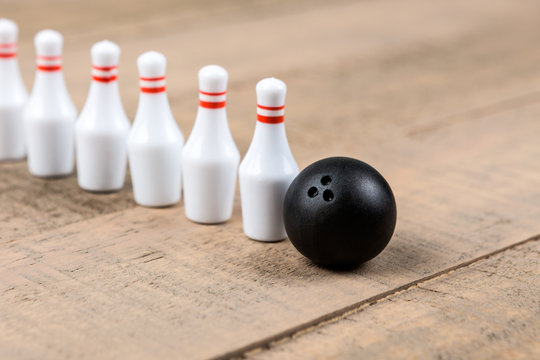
49	115
102	128
13	95
210	157
155	141
268	167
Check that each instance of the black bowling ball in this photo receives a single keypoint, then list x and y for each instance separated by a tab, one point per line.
339	212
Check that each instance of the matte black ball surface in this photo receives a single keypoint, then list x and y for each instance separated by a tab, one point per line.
339	212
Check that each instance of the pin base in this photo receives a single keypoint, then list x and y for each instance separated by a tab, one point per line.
202	222
100	191
266	240
157	206
52	176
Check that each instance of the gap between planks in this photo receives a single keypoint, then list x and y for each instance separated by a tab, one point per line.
477	113
340	314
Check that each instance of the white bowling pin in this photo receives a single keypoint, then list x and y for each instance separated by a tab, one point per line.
210	157
155	141
13	95
49	115
268	167
102	128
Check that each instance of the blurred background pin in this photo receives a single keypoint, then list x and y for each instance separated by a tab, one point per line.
49	115
13	95
155	141
102	128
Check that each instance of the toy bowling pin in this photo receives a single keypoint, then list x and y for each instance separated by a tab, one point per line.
102	128
13	95
155	141
268	167
49	115
210	157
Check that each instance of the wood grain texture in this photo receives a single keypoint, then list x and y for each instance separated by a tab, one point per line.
31	205
441	97
488	310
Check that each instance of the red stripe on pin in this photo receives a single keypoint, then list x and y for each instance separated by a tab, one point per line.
8	55
270	119
212	105
104	79
212	94
153	90
49	58
272	108
152	79
104	68
8	45
49	68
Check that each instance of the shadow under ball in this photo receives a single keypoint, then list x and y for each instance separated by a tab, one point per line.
339	212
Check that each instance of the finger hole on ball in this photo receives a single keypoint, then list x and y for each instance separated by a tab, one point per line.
313	191
326	180
328	195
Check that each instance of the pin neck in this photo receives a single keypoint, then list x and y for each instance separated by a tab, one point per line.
212	100
49	63
8	50
104	74
270	138
152	85
270	114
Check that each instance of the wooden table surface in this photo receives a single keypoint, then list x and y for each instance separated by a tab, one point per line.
442	97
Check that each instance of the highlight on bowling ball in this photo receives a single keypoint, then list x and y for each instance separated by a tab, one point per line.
339	212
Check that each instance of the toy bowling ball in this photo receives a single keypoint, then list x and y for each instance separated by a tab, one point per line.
339	212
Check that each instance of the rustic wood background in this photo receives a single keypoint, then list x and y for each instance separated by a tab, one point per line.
443	97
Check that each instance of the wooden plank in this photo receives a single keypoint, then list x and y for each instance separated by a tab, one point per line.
31	205
148	283
364	36
371	88
488	310
146	19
